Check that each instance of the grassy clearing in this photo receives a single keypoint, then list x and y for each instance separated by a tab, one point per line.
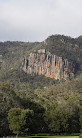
75	135
43	137
51	137
58	137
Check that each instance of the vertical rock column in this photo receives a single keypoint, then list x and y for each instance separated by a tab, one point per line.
25	65
48	65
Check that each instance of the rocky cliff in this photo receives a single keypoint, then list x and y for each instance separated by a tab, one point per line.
44	63
0	61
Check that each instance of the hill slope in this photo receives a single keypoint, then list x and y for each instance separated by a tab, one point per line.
55	103
13	53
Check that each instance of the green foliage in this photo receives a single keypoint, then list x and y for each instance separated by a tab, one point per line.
56	120
8	101
20	120
20	77
81	118
59	120
80	136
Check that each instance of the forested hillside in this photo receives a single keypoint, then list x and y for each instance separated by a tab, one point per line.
13	53
42	104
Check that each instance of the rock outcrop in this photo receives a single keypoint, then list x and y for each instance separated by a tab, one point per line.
0	61
44	63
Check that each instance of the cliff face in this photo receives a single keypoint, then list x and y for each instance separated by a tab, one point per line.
0	61
43	62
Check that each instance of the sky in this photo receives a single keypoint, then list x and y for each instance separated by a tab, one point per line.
35	20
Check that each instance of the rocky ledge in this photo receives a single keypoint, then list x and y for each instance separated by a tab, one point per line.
44	63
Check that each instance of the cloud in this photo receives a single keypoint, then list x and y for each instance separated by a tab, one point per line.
33	20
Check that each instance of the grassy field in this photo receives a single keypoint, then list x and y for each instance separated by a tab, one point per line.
43	136
53	137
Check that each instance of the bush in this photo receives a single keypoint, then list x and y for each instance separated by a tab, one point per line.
20	120
80	136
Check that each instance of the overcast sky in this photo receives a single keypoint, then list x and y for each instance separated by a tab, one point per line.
35	20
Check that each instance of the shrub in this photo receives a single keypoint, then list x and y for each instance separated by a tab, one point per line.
80	136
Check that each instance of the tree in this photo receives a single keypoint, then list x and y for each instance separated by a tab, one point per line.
20	120
81	118
56	119
62	120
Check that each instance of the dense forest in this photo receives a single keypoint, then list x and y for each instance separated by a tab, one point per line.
37	104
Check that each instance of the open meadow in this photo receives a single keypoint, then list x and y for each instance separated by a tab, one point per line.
44	137
55	137
48	137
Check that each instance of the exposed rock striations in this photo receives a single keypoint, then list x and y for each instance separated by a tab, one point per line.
0	61
43	62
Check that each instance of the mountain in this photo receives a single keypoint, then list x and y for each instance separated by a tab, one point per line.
56	102
13	53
